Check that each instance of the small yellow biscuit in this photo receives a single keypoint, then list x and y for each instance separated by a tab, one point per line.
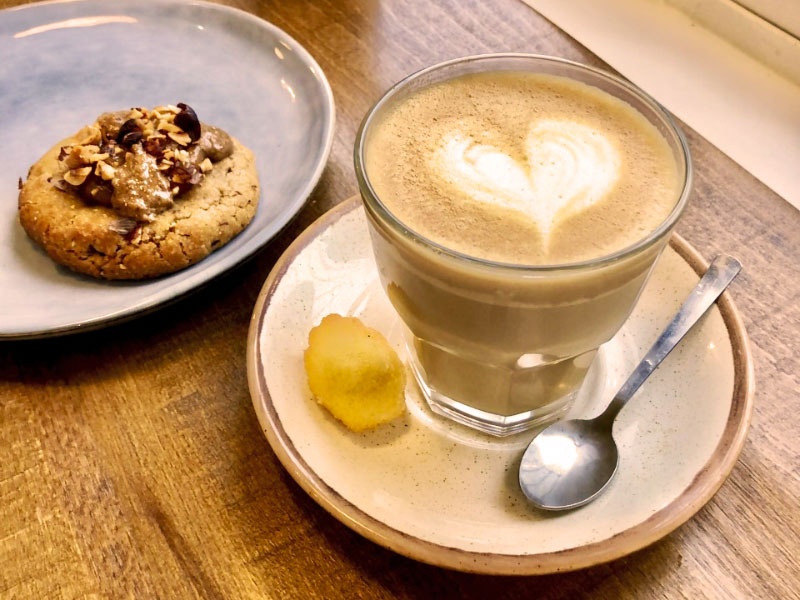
354	373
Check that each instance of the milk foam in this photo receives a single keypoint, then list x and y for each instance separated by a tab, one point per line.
522	168
568	167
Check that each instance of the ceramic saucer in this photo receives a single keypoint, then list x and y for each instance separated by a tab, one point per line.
446	495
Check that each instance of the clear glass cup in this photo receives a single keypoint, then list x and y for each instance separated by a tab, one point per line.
505	347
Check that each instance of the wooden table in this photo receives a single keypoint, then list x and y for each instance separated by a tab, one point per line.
132	464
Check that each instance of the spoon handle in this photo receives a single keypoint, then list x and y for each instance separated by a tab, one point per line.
719	274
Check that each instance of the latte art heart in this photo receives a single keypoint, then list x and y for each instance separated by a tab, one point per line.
568	167
523	168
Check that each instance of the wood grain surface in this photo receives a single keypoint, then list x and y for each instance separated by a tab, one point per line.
132	464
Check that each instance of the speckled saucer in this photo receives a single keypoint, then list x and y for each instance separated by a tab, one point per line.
446	495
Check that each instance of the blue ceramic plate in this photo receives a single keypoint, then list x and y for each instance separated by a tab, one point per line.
64	63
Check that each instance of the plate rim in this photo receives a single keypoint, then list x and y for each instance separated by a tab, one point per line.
668	518
204	276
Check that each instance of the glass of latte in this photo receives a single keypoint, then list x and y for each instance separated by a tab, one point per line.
516	206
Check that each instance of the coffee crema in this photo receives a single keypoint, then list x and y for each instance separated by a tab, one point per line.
522	168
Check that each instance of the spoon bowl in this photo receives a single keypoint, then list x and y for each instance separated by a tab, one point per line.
570	463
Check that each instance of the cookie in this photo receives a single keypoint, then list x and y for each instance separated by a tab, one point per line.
97	240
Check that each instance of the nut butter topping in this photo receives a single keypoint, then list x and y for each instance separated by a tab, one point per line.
140	190
138	161
215	143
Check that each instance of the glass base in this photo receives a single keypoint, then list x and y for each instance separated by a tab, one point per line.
497	425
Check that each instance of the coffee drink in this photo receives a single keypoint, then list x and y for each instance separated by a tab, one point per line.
515	215
522	168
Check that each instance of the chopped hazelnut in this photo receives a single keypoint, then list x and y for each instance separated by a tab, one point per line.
77	156
105	171
77	176
89	135
167	126
182	138
206	165
163	114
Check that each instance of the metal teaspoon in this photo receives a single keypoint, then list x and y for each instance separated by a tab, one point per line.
570	463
